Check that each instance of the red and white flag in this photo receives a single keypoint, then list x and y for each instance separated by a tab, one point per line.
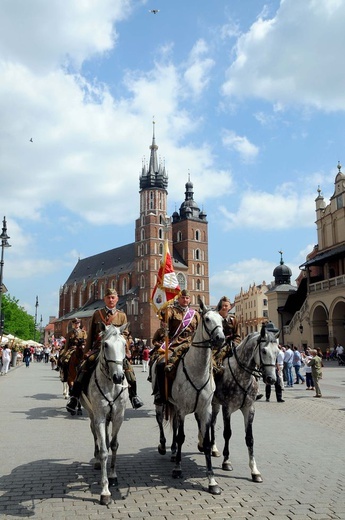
167	286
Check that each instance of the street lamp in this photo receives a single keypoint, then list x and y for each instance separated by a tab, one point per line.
36	305
4	243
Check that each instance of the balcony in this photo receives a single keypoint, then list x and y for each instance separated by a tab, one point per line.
325	285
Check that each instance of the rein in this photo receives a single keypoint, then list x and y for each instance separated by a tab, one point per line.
256	372
104	368
200	344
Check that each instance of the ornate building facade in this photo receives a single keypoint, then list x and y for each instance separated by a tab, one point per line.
251	308
132	269
313	313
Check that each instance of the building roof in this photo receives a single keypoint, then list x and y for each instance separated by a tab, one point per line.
320	258
114	261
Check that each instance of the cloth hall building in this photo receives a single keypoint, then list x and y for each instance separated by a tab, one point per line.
132	269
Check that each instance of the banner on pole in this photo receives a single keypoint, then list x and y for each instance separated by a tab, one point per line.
167	286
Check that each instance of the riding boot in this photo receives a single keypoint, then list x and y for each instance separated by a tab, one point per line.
133	397
75	393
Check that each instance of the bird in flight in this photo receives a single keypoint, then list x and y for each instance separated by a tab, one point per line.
31	141
154	11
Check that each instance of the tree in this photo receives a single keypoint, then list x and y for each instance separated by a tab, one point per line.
16	320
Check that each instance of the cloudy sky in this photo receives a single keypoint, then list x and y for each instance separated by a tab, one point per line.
248	97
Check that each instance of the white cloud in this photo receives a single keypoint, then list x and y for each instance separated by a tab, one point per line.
197	74
243	275
44	35
283	209
241	145
293	58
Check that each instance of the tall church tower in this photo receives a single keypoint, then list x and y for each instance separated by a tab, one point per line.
190	238
150	235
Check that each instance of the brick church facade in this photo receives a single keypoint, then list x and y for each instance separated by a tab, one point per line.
132	269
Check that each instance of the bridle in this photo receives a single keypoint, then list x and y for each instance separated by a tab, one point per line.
208	343
256	372
105	370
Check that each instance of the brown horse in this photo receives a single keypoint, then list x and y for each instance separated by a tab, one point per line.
69	370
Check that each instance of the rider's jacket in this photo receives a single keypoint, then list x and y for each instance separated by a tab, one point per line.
182	323
100	318
74	338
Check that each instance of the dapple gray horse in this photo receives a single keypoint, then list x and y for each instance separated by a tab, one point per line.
237	388
105	400
192	392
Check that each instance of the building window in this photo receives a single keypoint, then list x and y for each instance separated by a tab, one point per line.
124	286
339	201
265	314
197	254
197	268
179	236
265	302
143	234
160	233
197	235
142	282
160	249
182	281
198	285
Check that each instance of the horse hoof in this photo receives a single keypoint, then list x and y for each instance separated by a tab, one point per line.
97	465
176	473
215	490
105	500
226	466
173	457
79	412
215	453
200	448
161	449
257	478
113	482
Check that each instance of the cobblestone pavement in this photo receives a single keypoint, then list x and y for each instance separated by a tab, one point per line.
46	470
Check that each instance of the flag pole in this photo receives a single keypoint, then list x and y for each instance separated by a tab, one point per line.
166	328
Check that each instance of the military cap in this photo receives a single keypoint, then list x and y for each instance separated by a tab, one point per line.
110	292
184	292
76	320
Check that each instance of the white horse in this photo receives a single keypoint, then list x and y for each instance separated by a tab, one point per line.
192	391
237	388
105	400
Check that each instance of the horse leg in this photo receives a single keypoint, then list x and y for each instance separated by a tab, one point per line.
204	429
159	418
226	465
214	450
65	389
174	439
248	415
179	435
116	424
100	429
79	410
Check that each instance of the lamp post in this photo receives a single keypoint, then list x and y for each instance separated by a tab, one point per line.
36	305
4	243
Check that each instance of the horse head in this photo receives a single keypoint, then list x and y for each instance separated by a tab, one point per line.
113	352
212	325
266	354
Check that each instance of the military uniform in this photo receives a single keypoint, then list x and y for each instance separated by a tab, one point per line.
182	323
74	338
232	338
100	318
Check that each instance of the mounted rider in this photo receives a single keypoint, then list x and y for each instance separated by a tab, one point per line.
75	338
181	323
230	328
105	316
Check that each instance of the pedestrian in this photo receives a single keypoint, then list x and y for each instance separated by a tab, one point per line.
288	362
297	364
145	358
6	359
108	315
316	369
308	375
27	355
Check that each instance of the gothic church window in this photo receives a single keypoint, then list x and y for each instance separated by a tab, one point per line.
182	281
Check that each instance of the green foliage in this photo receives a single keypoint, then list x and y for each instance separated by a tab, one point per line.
17	321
